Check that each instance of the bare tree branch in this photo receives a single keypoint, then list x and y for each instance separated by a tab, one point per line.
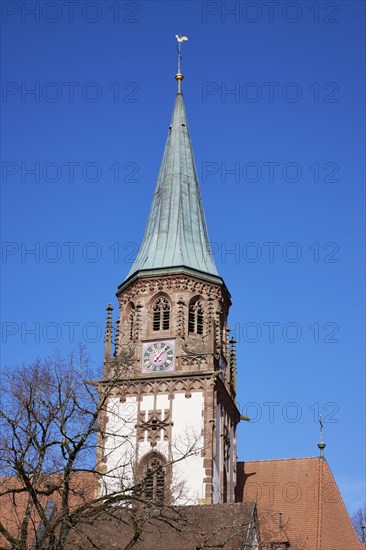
49	415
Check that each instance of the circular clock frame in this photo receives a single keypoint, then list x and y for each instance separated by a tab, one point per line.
158	357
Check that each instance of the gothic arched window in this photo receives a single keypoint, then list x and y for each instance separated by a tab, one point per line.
161	314
195	317
152	474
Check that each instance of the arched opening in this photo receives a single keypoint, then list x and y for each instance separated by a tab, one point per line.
195	317
161	314
152	476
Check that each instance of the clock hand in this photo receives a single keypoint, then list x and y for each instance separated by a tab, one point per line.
157	357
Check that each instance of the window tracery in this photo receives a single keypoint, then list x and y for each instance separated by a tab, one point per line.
153	475
161	314
195	317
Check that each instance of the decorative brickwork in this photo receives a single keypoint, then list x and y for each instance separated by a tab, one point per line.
154	425
170	283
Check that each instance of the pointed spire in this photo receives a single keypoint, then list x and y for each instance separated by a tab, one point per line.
176	233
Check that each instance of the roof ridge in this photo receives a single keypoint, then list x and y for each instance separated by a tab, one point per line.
340	499
279	459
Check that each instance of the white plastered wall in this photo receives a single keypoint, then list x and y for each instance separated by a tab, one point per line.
187	441
122	450
120	444
147	405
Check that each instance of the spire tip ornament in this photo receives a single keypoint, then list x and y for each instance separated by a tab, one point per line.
179	76
321	444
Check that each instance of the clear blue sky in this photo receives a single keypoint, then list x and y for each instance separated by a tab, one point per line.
292	212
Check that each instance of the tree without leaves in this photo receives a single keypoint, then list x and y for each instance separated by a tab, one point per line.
50	431
359	521
49	415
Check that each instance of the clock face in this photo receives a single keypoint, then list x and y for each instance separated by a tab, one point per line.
158	356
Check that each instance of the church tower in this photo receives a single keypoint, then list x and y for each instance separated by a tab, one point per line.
171	413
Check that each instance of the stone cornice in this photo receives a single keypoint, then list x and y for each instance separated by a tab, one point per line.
171	280
142	273
161	377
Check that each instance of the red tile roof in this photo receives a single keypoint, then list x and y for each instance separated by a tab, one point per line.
189	528
314	516
13	504
179	528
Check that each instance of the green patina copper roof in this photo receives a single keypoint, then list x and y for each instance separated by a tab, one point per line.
176	232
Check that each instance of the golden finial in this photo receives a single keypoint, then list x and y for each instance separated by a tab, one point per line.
179	77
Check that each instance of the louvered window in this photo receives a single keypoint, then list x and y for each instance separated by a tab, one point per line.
195	318
161	314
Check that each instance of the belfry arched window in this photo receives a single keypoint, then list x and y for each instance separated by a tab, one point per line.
195	317
152	473
161	314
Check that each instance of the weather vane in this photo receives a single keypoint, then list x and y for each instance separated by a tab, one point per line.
321	444
180	39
